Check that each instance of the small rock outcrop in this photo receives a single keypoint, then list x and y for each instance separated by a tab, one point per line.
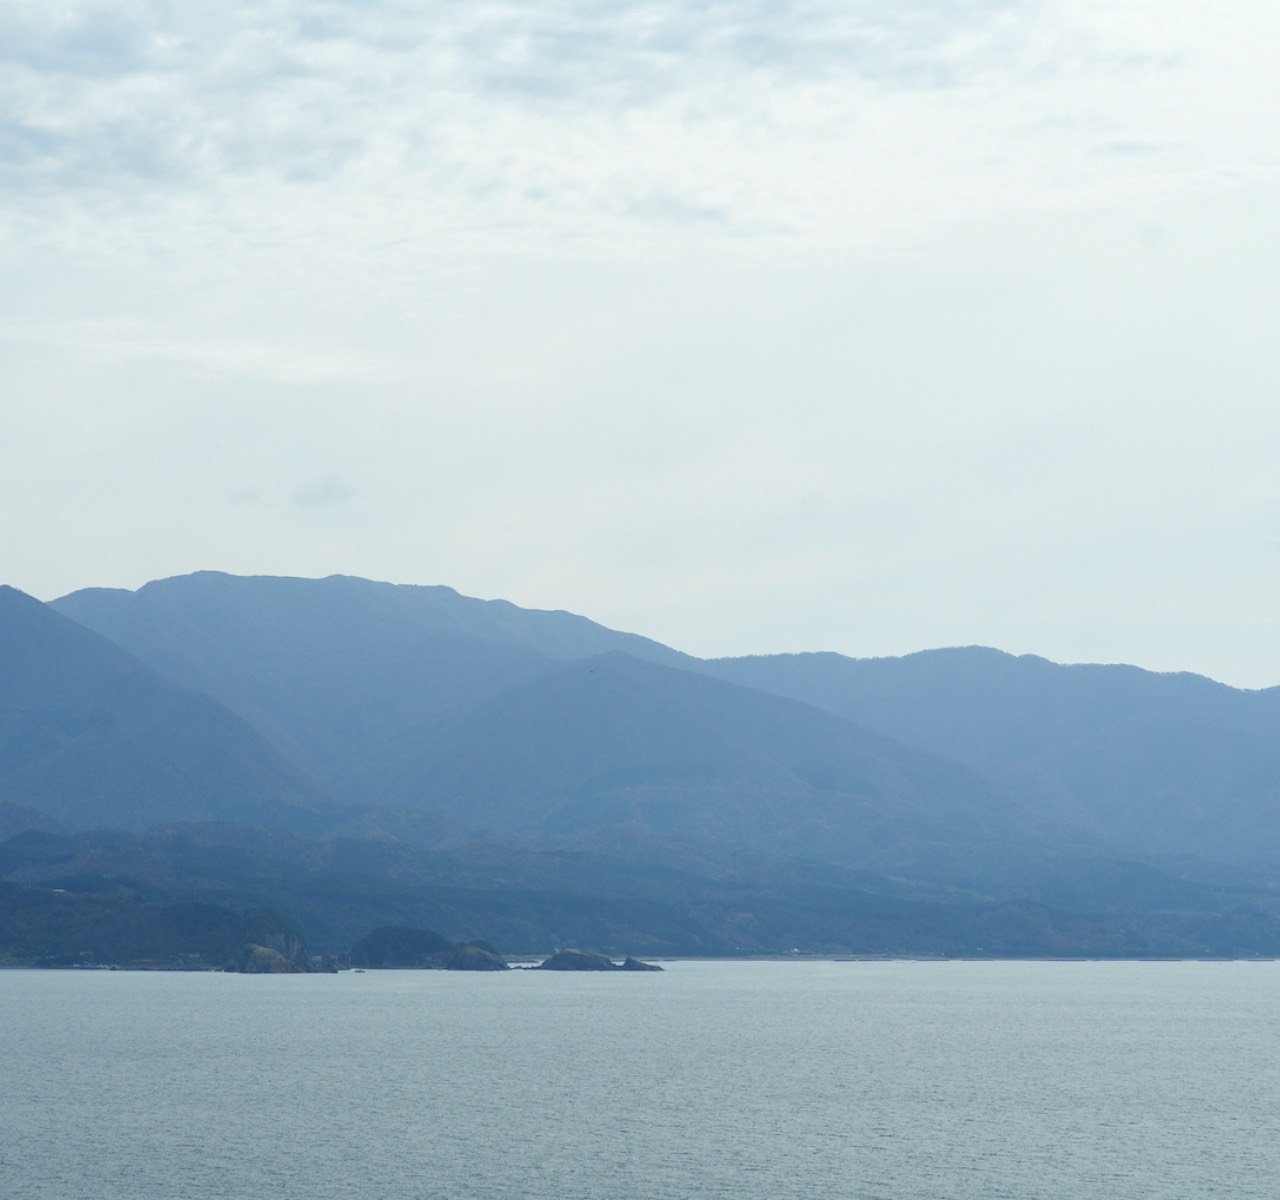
400	946
576	960
582	960
473	958
405	946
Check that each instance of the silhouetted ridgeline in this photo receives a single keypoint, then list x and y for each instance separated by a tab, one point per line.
354	755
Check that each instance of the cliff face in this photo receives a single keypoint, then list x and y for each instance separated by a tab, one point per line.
271	947
262	960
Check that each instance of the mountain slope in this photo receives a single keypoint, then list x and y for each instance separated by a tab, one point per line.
342	675
336	891
92	737
614	742
330	669
1158	764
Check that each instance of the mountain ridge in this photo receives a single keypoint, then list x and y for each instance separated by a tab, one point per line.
331	668
610	740
556	779
1160	763
90	735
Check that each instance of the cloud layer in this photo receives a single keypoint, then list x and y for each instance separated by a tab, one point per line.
753	326
821	123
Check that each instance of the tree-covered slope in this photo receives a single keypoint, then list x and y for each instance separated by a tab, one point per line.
1155	763
89	736
330	669
61	927
614	742
529	902
483	712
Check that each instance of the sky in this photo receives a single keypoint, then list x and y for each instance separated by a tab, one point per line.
752	327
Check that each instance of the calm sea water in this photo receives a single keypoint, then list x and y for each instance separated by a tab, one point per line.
887	1080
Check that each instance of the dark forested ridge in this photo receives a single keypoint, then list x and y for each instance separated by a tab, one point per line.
110	924
354	755
337	892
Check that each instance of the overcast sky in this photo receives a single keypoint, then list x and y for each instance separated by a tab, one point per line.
748	326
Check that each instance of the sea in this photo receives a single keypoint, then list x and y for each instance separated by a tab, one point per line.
730	1080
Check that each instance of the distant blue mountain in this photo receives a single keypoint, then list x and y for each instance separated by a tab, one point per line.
611	742
1157	764
330	669
545	724
90	736
350	679
536	774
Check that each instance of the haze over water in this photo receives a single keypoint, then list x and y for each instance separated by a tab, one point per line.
883	1081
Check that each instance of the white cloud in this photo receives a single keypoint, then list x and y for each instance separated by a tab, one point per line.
833	124
747	325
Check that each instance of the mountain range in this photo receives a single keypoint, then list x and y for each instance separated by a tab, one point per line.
358	754
89	735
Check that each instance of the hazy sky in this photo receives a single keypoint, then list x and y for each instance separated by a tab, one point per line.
748	326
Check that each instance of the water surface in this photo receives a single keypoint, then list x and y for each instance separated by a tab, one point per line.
742	1080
